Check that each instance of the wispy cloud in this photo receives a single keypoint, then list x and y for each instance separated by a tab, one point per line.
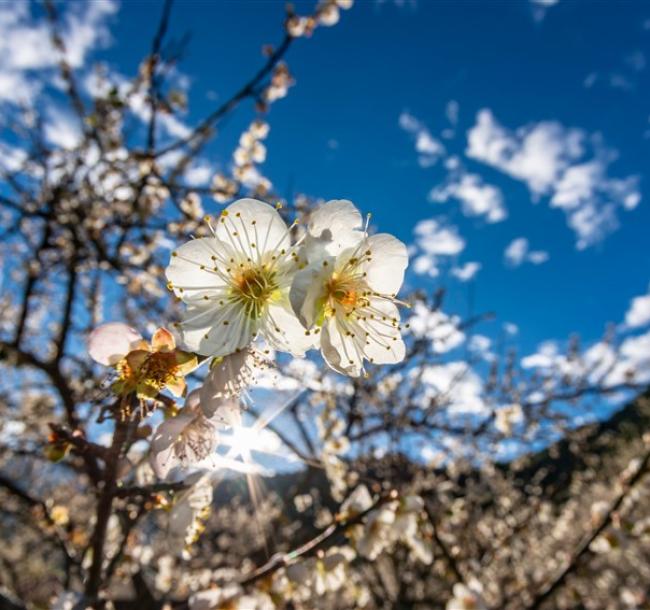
519	252
638	314
467	271
26	48
429	149
567	164
476	197
435	241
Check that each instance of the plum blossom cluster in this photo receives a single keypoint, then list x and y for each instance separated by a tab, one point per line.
328	13
251	289
335	288
400	521
309	581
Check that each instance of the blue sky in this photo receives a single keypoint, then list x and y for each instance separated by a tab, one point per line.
337	135
392	77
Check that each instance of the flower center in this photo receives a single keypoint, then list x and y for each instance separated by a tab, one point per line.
346	292
157	370
253	288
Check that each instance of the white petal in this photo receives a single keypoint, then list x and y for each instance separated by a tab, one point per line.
333	227
163	454
191	268
109	343
384	344
253	228
357	502
307	291
283	331
341	352
205	330
229	377
225	413
389	261
183	440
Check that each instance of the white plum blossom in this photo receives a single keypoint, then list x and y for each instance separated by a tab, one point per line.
110	342
466	597
189	512
230	376
185	439
393	522
321	575
66	601
236	283
507	417
231	597
347	292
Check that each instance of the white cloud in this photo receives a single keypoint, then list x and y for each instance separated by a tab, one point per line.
441	329
438	239
536	154
638	313
476	197
565	164
26	47
62	129
199	174
636	358
138	103
545	357
460	385
435	240
600	364
518	252
480	344
85	29
467	271
429	149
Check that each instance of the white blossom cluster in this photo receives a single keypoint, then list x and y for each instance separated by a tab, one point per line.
252	290
311	581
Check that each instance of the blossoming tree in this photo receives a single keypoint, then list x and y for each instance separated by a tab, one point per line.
123	458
